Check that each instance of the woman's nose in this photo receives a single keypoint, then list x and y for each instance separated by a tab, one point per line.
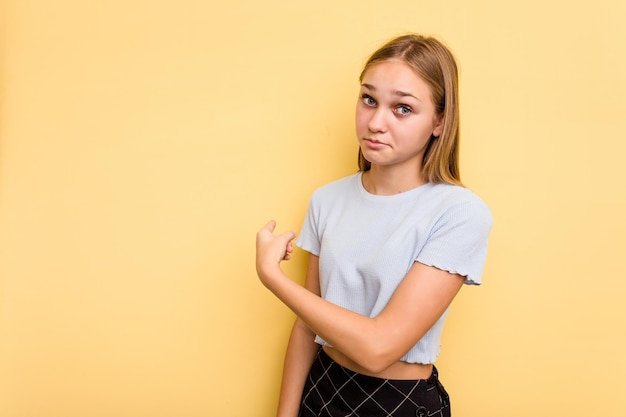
377	122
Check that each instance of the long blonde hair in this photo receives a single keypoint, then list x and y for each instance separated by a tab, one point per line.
435	64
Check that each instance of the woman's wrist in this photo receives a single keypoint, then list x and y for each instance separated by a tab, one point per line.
269	273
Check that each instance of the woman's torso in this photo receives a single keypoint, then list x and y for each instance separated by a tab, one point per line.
398	370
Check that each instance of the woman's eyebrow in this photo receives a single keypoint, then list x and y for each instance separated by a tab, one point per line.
398	93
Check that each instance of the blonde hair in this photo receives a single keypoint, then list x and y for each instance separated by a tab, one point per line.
435	64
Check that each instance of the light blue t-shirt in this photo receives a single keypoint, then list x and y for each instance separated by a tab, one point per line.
367	243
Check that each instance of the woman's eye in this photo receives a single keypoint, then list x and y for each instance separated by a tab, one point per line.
369	101
404	110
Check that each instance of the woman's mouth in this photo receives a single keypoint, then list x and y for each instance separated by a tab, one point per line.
374	144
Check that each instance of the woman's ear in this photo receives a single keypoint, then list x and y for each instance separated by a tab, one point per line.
438	126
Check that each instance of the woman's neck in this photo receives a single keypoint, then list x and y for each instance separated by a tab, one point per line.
383	181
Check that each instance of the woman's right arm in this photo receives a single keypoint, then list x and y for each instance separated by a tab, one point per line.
301	351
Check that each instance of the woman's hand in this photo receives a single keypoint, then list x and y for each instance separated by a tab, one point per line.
271	249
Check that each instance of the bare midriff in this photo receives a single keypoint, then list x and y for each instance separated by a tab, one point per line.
398	370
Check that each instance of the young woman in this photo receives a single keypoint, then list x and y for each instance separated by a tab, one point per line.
389	248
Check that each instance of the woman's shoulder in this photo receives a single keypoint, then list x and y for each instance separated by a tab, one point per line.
450	196
454	193
338	186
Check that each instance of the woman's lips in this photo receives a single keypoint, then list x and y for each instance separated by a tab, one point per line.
374	144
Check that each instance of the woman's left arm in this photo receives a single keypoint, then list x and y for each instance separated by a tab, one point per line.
373	343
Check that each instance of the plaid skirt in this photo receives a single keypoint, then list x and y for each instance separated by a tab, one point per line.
334	391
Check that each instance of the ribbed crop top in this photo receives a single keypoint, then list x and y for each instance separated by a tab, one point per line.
367	244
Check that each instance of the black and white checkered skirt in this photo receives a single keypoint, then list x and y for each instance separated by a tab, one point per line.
334	391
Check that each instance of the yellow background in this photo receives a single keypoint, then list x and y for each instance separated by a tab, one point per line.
143	143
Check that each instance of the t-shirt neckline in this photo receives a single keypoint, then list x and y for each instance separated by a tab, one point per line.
400	196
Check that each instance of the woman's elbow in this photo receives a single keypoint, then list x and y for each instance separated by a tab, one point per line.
375	359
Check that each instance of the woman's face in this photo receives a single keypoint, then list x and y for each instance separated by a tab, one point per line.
395	115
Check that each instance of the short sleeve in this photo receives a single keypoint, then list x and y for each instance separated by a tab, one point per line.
458	241
309	239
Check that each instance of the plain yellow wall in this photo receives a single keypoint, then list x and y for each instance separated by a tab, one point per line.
143	143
